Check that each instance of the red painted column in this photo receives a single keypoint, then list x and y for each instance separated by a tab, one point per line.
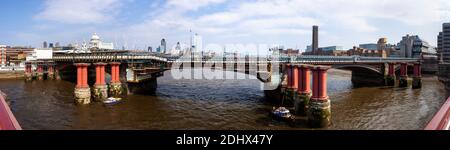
320	83
100	73
391	69
417	79
28	67
404	70
85	76
82	90
97	74
50	69
289	75
292	76
417	70
304	83
115	77
82	75
319	107
79	74
39	68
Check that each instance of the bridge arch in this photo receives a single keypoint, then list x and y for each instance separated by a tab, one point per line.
364	75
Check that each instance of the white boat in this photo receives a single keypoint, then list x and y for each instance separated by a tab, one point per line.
281	113
112	100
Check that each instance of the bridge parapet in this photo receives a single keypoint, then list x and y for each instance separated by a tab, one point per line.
106	57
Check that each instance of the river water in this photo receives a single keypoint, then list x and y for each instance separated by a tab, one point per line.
220	104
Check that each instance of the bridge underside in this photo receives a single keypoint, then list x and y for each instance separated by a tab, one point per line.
364	75
143	86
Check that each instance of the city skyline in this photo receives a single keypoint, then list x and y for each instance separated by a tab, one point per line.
142	23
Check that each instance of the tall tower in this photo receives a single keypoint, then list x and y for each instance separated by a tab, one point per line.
315	40
163	46
45	45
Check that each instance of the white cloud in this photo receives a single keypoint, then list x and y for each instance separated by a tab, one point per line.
191	4
291	20
79	11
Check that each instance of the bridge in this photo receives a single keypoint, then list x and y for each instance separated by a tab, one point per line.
138	72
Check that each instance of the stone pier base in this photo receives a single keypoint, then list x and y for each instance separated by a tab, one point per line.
301	103
417	83
83	96
390	80
319	113
100	93
57	76
50	76
28	77
403	82
115	89
40	76
289	96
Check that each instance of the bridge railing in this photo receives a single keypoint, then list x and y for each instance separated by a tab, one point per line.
441	121
7	119
106	56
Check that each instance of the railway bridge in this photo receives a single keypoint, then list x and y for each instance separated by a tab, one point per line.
301	80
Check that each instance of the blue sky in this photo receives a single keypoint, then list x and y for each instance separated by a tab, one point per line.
142	23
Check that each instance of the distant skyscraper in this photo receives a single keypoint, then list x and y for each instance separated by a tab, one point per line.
315	40
150	49
439	46
45	45
163	46
57	44
50	45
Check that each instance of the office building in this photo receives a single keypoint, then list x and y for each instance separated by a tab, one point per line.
369	46
45	44
163	48
439	47
3	55
444	49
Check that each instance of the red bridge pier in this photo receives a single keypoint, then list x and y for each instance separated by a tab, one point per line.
82	90
40	71
319	107
390	79
403	81
100	92
51	71
28	71
115	88
417	78
304	90
292	83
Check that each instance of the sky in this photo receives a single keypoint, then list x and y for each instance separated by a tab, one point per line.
142	23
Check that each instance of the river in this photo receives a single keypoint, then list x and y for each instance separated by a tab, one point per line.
220	104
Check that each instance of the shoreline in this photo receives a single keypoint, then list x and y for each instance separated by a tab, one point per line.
12	74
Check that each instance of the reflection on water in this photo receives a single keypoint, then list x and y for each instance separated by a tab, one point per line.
219	104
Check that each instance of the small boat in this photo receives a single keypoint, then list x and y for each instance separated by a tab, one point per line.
112	100
282	113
